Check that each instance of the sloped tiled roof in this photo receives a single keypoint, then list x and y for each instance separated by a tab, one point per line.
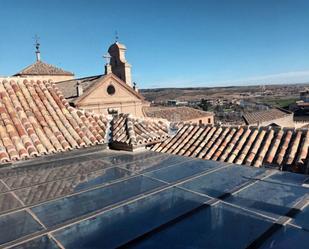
286	148
35	119
69	87
129	132
265	115
175	114
42	68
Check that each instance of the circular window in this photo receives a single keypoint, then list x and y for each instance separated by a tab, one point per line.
111	90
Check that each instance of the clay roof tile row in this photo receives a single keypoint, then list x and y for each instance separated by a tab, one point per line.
35	119
135	132
253	118
285	148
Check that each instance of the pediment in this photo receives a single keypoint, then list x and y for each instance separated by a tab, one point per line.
108	90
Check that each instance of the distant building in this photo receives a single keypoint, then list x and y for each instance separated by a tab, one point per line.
304	96
110	93
177	103
181	114
272	117
43	71
253	105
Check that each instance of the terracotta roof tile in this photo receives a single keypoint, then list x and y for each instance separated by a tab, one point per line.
42	68
175	114
35	119
255	146
129	132
252	118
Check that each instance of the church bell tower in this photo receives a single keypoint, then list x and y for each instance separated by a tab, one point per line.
119	65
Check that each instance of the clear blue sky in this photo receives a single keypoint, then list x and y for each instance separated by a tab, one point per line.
170	42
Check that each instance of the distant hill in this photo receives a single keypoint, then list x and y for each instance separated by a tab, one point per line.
197	93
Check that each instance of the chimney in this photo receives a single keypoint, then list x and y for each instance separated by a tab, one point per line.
135	87
79	89
108	67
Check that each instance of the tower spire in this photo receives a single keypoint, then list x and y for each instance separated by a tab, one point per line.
37	46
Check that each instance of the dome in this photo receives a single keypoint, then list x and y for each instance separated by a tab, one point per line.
117	45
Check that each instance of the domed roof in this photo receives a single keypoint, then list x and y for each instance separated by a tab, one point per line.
117	45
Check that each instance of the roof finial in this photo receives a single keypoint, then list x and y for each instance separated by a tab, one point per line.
37	46
116	36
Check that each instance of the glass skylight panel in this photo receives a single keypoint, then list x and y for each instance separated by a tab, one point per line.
218	226
16	225
54	189
270	198
184	170
2	188
120	225
8	202
288	178
33	176
118	158
155	163
39	243
71	207
302	218
101	177
224	180
287	237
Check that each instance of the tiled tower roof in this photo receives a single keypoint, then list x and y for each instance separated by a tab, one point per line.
35	119
42	68
286	148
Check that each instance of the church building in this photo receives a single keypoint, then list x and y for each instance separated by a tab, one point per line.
109	93
41	70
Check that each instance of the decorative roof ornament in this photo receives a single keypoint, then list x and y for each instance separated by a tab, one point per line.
37	46
116	36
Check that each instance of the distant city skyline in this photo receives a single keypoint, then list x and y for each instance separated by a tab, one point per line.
184	43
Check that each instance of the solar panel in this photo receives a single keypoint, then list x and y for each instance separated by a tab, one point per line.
218	226
122	224
224	181
287	237
16	225
43	242
65	209
149	199
302	219
269	197
183	170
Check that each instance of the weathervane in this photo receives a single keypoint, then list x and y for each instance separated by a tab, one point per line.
37	46
116	36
